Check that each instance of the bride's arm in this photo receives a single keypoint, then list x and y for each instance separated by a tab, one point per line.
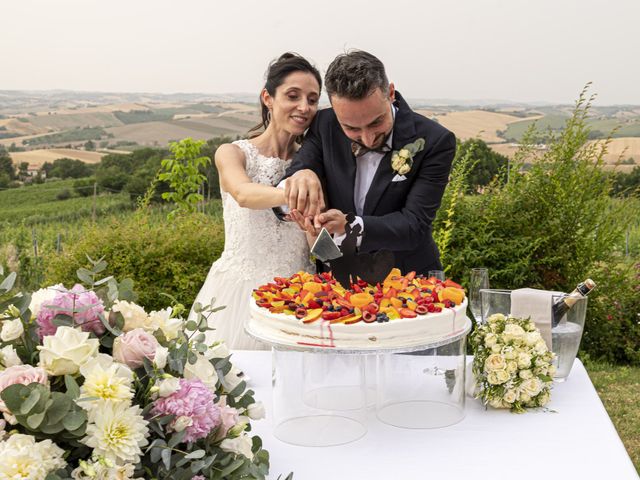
230	162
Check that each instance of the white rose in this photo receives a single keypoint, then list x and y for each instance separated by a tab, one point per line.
240	445
525	374
512	366
531	386
9	357
182	422
232	379
531	338
509	352
203	370
219	351
544	398
490	339
540	346
404	154
11	330
162	320
404	169
495	361
510	396
495	318
134	316
168	386
497	348
540	362
160	359
551	371
524	360
44	296
66	351
256	411
512	332
498	403
497	377
524	397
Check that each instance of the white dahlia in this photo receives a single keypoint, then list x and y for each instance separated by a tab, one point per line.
117	432
105	379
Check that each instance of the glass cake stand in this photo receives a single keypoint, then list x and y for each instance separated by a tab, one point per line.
321	393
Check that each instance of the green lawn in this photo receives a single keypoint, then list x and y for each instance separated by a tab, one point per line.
619	389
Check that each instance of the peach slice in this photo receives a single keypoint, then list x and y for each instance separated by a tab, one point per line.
456	295
360	299
312	315
312	287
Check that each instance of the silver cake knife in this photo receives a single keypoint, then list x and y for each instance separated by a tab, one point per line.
324	248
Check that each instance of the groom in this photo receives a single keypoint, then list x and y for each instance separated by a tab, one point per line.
360	151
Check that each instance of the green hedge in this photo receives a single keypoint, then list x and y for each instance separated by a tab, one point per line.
160	256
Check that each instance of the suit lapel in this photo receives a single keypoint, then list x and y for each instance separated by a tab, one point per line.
344	165
403	132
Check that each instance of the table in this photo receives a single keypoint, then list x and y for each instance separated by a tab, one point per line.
577	442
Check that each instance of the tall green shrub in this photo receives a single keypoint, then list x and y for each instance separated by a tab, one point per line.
161	257
547	225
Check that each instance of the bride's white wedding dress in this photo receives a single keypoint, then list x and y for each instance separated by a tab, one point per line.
257	248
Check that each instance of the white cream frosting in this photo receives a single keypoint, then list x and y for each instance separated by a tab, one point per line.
282	329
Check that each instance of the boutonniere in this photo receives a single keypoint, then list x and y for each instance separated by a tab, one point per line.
402	160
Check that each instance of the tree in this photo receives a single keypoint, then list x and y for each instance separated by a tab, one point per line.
89	145
486	163
23	170
6	165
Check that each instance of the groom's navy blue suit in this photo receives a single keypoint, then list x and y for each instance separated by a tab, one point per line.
397	216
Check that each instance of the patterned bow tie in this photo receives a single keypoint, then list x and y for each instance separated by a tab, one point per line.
358	149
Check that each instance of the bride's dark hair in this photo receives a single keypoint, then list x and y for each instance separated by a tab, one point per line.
278	70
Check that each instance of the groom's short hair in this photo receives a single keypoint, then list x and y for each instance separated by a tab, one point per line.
354	75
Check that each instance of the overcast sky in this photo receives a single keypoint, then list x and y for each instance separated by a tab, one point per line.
542	50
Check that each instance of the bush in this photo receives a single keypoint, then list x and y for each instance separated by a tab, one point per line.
612	329
63	195
84	187
160	257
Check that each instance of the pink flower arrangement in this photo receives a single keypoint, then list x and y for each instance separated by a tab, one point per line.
195	401
76	298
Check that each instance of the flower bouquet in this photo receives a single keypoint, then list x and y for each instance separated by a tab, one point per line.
512	364
94	387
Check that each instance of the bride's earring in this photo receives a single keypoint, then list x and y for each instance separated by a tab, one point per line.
268	116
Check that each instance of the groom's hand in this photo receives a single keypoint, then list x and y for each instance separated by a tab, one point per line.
333	220
303	192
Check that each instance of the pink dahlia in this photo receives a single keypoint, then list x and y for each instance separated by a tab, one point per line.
78	298
193	402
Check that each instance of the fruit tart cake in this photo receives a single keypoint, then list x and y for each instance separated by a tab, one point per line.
308	310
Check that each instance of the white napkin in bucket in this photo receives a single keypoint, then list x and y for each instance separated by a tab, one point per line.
529	302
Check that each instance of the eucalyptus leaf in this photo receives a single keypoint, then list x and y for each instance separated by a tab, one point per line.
73	390
166	458
74	420
30	402
8	283
34	421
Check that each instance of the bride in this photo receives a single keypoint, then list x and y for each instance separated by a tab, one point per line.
258	246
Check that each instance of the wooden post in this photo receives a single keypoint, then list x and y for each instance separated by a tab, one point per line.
95	194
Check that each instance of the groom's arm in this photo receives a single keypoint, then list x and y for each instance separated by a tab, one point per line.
405	229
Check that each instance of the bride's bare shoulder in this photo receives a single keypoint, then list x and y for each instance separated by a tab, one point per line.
229	152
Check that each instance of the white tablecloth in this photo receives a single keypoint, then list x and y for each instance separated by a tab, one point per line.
577	442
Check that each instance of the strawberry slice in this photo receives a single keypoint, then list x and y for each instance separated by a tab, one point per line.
327	315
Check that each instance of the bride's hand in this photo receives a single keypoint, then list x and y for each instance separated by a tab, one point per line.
306	223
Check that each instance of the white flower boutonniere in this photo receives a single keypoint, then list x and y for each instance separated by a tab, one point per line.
402	160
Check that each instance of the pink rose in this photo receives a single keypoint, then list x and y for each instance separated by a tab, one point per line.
133	347
24	374
228	416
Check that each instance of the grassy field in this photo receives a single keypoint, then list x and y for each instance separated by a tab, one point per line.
619	390
38	204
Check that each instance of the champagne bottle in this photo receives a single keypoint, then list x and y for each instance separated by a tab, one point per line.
564	304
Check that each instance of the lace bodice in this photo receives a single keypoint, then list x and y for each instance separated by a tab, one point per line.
258	246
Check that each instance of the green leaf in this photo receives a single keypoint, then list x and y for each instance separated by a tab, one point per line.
73	390
196	454
176	438
74	420
30	402
8	282
232	467
85	276
34	421
166	458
